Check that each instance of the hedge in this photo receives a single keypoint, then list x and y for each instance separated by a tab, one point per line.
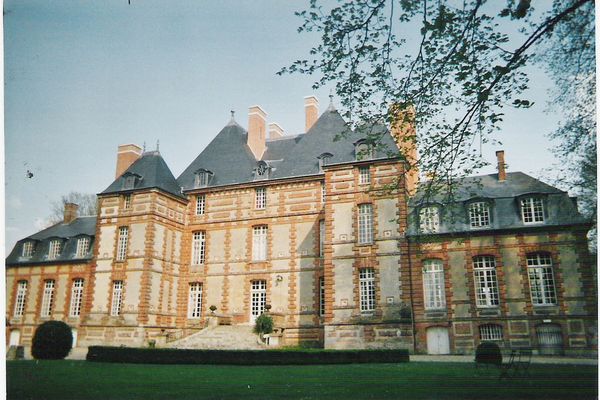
242	357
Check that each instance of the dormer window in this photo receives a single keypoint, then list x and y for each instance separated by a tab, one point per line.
532	210
479	214
429	219
362	150
28	248
262	170
130	180
324	160
54	249
83	245
202	178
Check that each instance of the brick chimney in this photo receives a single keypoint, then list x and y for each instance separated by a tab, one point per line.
257	118
501	166
311	111
70	212
275	131
402	118
127	155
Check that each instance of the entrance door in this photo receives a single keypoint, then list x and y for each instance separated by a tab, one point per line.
15	337
438	341
258	299
550	339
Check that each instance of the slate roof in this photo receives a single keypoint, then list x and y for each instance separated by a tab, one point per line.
154	172
67	233
503	197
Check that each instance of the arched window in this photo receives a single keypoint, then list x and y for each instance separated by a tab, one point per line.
486	284
541	279
433	284
202	178
324	160
363	150
262	170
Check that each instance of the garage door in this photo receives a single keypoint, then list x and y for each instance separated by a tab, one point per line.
438	341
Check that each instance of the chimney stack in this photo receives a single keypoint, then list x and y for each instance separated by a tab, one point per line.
275	131
127	155
70	212
257	118
311	111
405	135
501	166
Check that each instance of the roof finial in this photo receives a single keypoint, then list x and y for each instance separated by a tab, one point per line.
331	106
232	120
157	145
144	149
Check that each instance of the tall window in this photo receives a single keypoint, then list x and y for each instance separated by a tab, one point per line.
321	238
76	298
127	201
20	299
541	279
364	176
486	285
195	300
117	298
198	248
48	298
490	332
479	214
259	243
258	298
532	210
261	198
83	244
202	178
365	223
429	219
27	249
366	278
321	296
323	192
54	249
200	204
433	284
122	243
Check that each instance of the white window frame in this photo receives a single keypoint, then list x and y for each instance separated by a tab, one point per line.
20	299
261	198
365	223
490	332
117	299
27	249
429	219
54	249
366	278
83	245
201	179
198	248
541	279
259	242
532	210
122	243
479	214
200	204
364	175
258	297
486	282
322	296
321	238
76	298
47	298
323	192
195	300
126	201
434	284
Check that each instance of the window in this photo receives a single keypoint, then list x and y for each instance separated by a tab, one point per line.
366	278
54	249
433	284
479	214
532	210
117	298
323	192
321	296
20	299
76	298
490	332
261	198
362	150
122	243
429	219
129	180
83	245
259	243
200	204
364	176
324	159
486	285
198	248
27	249
195	300
365	224
258	298
541	279
127	201
262	170
321	238
48	298
202	178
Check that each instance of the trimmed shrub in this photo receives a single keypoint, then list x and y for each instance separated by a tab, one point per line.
243	357
264	324
52	340
488	353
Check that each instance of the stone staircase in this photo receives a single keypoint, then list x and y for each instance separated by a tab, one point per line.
220	337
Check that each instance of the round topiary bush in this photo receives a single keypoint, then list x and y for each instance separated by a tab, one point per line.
264	324
52	340
488	353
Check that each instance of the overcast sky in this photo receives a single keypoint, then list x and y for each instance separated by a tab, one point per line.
82	77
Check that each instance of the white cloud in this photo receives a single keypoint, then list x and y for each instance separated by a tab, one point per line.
15	202
41	223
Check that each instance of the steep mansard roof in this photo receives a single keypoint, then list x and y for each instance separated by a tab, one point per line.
68	234
153	173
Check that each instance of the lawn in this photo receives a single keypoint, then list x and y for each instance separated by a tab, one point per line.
68	379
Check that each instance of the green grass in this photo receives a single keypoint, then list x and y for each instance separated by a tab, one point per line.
68	379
